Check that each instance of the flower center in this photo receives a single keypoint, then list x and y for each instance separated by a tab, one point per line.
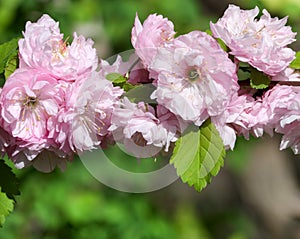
193	75
30	102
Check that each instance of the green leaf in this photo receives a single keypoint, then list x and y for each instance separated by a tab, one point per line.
7	51
295	64
6	206
209	32
115	78
258	80
8	181
198	155
119	80
244	65
243	75
126	86
11	66
222	44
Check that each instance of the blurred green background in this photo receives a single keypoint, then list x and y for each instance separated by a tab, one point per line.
254	196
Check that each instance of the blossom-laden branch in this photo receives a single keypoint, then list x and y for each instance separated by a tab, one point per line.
62	100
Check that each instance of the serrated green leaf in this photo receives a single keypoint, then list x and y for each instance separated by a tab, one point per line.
295	64
198	155
258	80
7	50
6	207
8	181
11	66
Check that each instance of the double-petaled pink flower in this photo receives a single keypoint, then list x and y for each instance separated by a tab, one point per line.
143	131
196	79
147	38
44	48
260	42
29	99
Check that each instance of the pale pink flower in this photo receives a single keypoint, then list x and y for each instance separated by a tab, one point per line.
262	43
28	99
43	48
229	123
196	79
146	38
83	122
286	117
254	118
141	132
263	114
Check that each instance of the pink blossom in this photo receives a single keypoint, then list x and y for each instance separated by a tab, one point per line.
43	48
264	114
262	43
28	99
146	38
196	79
286	117
141	132
83	122
254	118
229	123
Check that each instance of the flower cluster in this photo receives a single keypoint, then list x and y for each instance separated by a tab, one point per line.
63	100
56	103
196	79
